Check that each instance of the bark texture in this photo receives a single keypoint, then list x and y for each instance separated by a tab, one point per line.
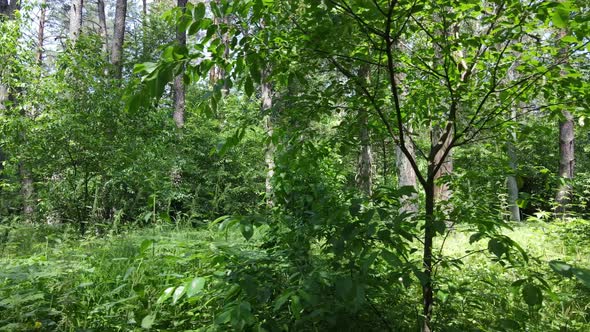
442	192
102	24
179	89
119	37
76	19
566	150
566	160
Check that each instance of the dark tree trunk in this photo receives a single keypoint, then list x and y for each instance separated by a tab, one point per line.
427	290
7	8
119	37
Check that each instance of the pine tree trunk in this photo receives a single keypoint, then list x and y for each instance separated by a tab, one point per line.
41	33
76	19
269	153
119	37
179	89
102	23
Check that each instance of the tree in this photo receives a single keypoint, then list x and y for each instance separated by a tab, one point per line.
364	176
102	23
179	89
76	8
566	147
119	38
455	88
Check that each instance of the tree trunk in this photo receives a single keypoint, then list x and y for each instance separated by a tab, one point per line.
364	176
511	183
266	92
179	89
26	192
427	290
406	176
102	23
442	192
7	8
41	33
566	161
119	37
217	73
76	19
566	150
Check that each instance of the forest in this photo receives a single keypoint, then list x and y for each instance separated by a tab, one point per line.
295	165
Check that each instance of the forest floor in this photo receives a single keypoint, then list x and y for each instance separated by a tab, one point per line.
52	279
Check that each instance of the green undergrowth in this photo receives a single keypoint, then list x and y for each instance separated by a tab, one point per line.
203	279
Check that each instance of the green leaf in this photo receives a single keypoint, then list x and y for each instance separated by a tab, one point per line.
249	87
178	293
145	245
247	229
199	11
561	268
532	295
195	286
167	292
560	18
583	275
281	300
497	247
475	237
148	321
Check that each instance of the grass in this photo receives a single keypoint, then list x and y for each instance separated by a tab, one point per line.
52	280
